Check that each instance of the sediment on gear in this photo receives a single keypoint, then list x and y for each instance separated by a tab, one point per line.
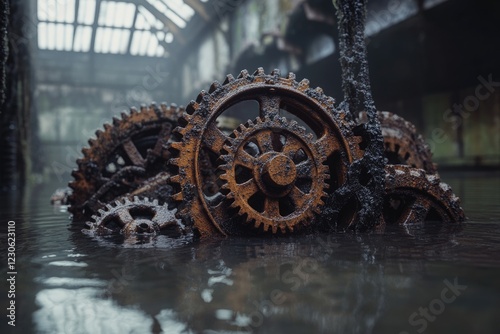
364	189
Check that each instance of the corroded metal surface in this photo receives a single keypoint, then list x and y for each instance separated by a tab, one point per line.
300	165
139	216
414	196
122	157
276	174
198	134
403	145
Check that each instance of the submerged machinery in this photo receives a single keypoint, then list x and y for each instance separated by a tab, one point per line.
294	168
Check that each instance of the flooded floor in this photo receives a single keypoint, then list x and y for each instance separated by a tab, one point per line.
429	280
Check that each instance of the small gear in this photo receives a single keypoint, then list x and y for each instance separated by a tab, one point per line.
198	135
403	145
139	216
276	174
122	157
414	196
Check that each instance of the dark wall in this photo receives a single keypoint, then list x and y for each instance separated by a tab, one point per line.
15	121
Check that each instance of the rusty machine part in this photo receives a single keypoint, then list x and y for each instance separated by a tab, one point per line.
365	186
414	196
275	174
139	216
403	145
273	141
122	157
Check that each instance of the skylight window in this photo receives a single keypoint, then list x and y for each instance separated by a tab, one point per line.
111	26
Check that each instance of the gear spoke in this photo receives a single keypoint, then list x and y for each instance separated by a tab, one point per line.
298	197
247	189
292	146
133	154
272	207
269	106
304	169
265	141
245	159
124	216
214	138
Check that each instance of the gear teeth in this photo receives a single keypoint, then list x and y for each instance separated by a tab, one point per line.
291	76
85	151
175	178
259	72
241	128
318	90
229	78
180	130
178	197
201	96
243	74
303	85
107	127
174	161
192	107
275	72
116	121
92	142
99	133
133	111
177	146
213	87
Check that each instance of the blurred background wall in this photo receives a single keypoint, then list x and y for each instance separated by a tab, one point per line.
73	64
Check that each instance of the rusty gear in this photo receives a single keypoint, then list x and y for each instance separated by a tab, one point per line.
139	216
276	174
122	157
403	145
198	134
413	196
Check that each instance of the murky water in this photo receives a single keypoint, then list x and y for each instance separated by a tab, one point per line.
415	281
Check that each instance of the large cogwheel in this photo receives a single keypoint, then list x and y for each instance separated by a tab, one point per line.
276	174
122	157
403	145
413	196
198	136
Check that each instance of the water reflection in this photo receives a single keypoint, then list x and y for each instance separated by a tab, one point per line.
316	283
325	284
